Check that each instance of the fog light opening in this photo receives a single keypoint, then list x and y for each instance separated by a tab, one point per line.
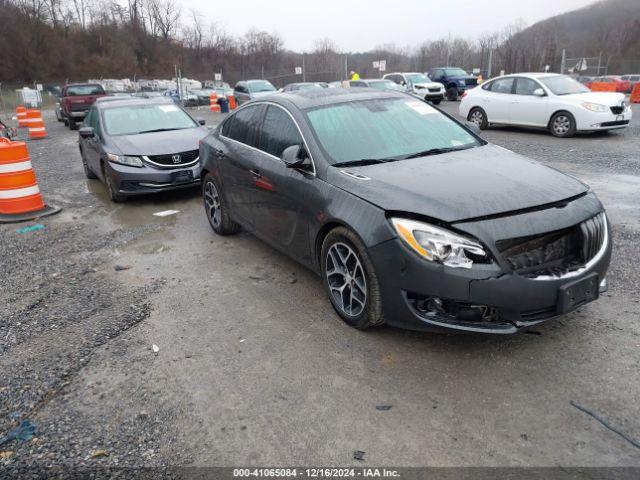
431	307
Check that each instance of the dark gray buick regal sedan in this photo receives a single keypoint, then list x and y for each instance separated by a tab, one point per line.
138	146
410	218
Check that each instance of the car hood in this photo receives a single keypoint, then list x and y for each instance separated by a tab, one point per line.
456	186
428	85
609	99
159	143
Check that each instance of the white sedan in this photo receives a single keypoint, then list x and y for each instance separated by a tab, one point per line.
550	101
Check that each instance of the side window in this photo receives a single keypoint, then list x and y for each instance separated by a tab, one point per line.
502	85
357	84
226	126
526	86
243	127
278	132
87	118
437	74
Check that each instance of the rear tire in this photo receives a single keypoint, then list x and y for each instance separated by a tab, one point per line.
479	117
562	125
350	280
216	208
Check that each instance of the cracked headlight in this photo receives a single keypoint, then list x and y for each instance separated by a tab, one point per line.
125	160
595	107
436	244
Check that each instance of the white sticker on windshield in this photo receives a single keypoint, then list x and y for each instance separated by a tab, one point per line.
168	108
421	107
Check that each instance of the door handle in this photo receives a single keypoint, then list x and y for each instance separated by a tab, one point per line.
255	173
219	153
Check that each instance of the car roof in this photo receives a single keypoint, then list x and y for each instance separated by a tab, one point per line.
82	84
306	99
369	80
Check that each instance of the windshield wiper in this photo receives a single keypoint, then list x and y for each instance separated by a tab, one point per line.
159	130
435	151
360	163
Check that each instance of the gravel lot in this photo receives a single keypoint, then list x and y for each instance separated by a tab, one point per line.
254	368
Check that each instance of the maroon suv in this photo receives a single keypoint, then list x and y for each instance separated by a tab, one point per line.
76	99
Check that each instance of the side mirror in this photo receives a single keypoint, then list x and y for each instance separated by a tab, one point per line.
201	121
538	92
86	132
295	156
473	127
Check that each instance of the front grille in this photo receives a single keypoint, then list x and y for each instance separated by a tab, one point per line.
615	124
434	90
593	232
617	110
174	159
555	253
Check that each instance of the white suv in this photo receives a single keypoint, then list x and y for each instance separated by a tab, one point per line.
420	85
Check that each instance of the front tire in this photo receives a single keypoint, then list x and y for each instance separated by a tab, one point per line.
87	170
350	280
436	101
114	195
72	124
562	125
216	208
479	117
452	94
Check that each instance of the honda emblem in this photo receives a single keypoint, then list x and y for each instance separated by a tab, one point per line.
176	158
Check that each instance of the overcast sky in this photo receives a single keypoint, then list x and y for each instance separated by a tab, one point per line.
360	26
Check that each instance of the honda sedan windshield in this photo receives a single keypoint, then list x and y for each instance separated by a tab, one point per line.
389	128
562	85
134	119
261	86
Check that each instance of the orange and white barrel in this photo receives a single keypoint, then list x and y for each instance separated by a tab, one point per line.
213	102
37	129
19	192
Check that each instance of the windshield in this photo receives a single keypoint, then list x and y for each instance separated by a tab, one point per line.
389	128
455	72
261	86
134	119
417	78
386	85
563	85
81	90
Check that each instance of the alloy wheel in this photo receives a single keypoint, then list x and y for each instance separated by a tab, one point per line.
477	117
561	124
346	279
212	201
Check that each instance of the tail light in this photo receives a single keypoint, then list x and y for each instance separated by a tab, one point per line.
464	94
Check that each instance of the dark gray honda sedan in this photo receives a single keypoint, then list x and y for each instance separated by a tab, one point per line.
138	146
407	215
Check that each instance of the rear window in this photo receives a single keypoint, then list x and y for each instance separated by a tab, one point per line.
81	90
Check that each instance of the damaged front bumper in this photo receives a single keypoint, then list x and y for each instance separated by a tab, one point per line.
489	298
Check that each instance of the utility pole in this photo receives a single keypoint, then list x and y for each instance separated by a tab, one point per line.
489	63
563	61
304	70
346	69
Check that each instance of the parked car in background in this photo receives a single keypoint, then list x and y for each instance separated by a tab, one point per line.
622	86
292	87
379	83
543	100
188	99
455	80
223	92
203	95
583	79
246	90
138	146
408	217
76	99
418	84
632	79
57	109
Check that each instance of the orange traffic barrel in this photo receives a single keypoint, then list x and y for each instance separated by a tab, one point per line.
20	197
37	129
213	102
232	102
603	87
635	94
21	114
